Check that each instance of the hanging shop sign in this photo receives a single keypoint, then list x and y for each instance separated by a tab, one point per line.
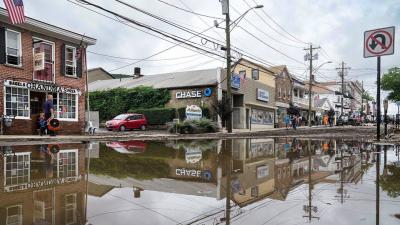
207	92
235	81
38	61
41	87
262	95
193	112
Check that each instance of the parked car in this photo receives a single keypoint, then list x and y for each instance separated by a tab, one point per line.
127	122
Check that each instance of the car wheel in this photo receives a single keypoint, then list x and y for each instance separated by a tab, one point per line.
143	127
122	128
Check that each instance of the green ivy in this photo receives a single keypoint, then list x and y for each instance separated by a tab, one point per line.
156	116
113	102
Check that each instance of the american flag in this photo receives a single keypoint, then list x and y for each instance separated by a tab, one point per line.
15	10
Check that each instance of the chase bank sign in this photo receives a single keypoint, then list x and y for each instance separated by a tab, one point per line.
207	92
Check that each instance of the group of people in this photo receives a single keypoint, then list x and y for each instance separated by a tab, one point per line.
296	120
46	116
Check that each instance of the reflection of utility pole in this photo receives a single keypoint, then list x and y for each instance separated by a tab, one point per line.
310	208
227	154
378	160
87	182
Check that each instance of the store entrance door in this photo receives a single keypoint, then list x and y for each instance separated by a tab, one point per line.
37	101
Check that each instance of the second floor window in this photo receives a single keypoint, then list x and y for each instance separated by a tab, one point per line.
70	61
255	75
47	74
13	48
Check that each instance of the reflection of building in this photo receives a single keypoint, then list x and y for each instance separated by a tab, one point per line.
283	179
40	186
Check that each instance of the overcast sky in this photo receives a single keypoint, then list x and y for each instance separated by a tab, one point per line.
335	25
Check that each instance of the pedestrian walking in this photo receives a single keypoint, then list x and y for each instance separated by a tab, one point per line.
294	122
287	121
48	109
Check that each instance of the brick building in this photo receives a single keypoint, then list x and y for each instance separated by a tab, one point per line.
37	59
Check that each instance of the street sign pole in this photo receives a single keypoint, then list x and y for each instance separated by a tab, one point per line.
378	99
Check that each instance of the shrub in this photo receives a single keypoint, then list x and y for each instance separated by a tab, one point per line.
112	102
181	112
156	116
193	127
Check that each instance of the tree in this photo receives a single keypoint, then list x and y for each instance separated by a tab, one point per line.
222	109
391	82
391	181
293	110
367	97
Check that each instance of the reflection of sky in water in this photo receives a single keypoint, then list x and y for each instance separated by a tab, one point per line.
171	202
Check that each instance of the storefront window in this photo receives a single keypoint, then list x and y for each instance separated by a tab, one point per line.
17	169
67	106
48	73
67	164
17	102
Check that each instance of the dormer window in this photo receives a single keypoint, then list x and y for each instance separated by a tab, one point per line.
13	48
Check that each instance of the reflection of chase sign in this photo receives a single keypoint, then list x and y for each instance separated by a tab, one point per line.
193	173
194	94
42	183
262	95
193	112
41	87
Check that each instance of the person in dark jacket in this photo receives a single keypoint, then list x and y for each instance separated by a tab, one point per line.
48	109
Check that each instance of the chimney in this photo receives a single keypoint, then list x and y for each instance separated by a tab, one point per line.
136	72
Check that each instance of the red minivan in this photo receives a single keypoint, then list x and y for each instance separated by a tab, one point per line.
127	122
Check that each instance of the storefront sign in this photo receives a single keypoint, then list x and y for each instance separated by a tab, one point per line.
261	149
235	81
207	92
42	183
41	87
38	61
262	95
193	112
193	155
262	171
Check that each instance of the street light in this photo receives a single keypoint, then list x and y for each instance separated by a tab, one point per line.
310	90
385	108
225	10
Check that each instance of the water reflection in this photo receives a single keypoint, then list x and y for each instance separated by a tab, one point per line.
240	181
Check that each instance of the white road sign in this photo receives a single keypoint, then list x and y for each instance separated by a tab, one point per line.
379	42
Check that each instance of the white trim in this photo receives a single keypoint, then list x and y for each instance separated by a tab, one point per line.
5	166
76	161
74	61
19	47
53	44
76	119
20	215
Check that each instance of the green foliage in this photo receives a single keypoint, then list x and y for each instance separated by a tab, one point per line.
391	82
112	102
391	181
181	113
367	96
156	116
194	127
120	165
293	110
206	112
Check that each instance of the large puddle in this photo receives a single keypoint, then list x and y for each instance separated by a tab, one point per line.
243	181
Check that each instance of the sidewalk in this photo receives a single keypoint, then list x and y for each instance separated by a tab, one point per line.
302	132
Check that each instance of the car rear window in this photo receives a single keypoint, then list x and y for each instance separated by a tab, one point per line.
120	117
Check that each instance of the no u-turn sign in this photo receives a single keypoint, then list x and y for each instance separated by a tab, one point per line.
379	42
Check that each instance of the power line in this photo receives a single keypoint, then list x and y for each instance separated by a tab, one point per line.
260	40
189	11
135	59
262	19
265	13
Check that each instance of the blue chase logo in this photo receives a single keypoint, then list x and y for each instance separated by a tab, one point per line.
207	92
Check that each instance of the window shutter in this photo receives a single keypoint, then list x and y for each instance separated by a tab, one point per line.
2	45
63	60
79	62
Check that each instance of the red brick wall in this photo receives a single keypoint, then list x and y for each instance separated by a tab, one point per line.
26	74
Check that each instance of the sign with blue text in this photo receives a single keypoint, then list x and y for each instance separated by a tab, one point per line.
235	81
262	95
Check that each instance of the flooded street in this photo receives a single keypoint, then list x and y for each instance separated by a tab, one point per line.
257	181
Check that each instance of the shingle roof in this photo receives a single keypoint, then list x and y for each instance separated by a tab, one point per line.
166	80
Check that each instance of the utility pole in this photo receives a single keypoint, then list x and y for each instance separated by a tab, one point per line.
228	65
342	70
310	58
